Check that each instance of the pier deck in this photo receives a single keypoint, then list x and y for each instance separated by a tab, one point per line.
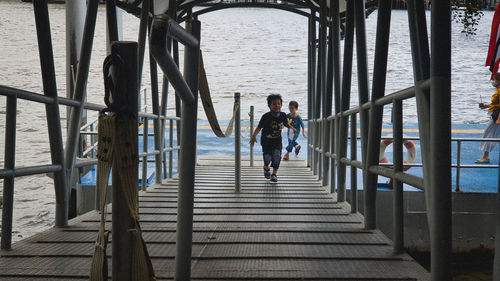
293	230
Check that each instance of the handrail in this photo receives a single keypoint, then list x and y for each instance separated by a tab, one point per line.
12	172
383	170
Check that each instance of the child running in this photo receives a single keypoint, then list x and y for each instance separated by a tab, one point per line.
296	122
271	123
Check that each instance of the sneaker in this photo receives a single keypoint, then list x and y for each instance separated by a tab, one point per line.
267	173
482	160
274	179
286	157
297	150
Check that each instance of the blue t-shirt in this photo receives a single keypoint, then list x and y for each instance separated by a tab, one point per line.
271	129
295	123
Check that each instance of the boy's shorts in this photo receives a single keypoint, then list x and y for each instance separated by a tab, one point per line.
272	155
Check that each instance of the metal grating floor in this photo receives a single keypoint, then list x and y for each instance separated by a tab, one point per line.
294	230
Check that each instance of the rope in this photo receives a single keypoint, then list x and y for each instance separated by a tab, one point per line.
206	100
106	138
118	142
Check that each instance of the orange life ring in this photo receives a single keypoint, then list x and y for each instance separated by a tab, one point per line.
411	149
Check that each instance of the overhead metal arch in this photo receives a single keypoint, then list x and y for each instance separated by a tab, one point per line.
308	4
182	15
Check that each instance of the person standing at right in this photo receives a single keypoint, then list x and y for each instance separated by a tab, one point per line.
493	127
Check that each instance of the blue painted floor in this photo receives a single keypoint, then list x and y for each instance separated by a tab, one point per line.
471	179
483	179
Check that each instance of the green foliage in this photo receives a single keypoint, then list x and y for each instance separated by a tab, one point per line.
468	13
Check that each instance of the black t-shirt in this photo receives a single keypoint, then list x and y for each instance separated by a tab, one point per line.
271	129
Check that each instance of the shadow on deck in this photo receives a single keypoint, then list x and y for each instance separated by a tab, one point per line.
293	230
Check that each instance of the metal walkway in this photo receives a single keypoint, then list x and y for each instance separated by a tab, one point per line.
294	230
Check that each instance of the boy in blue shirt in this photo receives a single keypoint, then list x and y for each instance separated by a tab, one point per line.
296	122
271	124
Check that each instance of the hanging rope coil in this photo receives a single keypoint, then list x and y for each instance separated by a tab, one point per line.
118	143
209	107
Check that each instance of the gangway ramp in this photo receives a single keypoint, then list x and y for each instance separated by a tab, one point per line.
293	230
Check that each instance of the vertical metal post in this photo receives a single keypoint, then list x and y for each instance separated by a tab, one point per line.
440	129
398	221
79	96
459	153
326	97
163	146
92	141
317	148
121	219
312	137
333	143
187	161
145	135
319	143
335	42
335	76
376	112
9	163
310	86
163	107
156	121
237	145
62	189
342	121
251	131
75	11
359	11
354	170
317	108
170	145
421	71
112	21
143	26
496	260
178	105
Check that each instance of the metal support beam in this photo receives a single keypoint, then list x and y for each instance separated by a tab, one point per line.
376	112
62	189
333	145
440	128
312	90
251	130
112	21
397	134
326	97
496	260
362	61
9	163
122	221
75	11
143	26
170	145
237	145
345	99
79	96
187	159
156	122
421	72
354	170
145	137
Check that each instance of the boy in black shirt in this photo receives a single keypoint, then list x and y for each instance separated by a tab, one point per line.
271	124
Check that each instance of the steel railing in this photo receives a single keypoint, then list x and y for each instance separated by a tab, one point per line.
86	158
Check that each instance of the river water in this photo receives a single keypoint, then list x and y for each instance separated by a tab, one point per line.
252	51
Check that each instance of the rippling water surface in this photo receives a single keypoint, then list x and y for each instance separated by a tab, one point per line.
252	51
